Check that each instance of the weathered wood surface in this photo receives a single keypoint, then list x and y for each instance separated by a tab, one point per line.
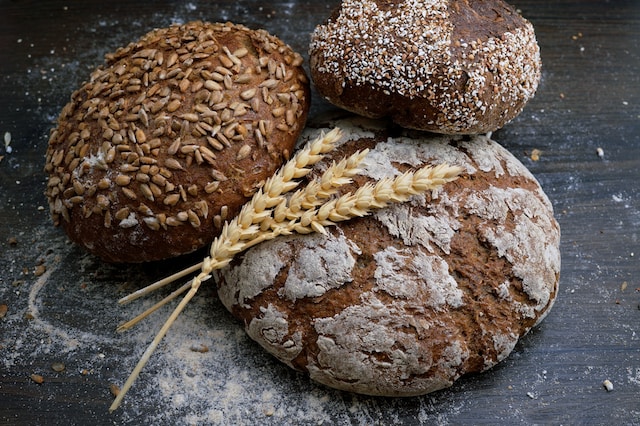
589	99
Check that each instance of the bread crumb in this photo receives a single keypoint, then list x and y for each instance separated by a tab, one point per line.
608	385
58	367
600	152
37	378
269	411
200	348
40	269
114	389
535	154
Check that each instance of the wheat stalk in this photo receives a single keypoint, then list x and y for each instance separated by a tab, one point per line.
228	242
311	209
266	197
312	195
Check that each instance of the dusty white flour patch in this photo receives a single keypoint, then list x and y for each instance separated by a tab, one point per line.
416	153
527	245
45	334
353	129
271	329
255	274
419	230
408	274
346	359
69	339
324	263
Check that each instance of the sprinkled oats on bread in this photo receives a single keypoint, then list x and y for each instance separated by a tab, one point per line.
446	66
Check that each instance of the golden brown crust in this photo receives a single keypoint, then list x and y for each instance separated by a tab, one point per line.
171	136
449	66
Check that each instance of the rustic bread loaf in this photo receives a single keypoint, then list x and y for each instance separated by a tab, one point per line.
406	301
171	136
447	66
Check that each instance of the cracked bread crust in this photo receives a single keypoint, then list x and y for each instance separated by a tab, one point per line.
407	300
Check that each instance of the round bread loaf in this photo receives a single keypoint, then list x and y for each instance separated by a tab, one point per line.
407	300
447	66
172	136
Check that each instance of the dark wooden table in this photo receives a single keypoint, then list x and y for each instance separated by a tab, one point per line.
61	303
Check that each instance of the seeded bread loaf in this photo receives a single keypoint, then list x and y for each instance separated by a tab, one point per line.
446	66
406	301
171	136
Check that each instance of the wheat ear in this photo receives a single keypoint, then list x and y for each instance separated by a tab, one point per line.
309	197
268	196
280	183
311	209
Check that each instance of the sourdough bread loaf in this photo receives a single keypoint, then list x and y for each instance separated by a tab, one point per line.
171	136
407	300
446	66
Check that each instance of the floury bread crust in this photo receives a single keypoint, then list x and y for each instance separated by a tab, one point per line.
171	136
406	301
446	66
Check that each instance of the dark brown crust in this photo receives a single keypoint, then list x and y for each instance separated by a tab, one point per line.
483	19
497	302
475	264
171	85
475	82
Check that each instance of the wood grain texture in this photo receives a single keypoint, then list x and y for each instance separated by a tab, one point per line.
589	98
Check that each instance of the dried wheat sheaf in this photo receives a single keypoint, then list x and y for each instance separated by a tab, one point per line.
274	210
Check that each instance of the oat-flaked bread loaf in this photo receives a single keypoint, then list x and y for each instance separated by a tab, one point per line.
406	301
446	66
171	136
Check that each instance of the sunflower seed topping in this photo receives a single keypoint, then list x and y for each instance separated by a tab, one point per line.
165	110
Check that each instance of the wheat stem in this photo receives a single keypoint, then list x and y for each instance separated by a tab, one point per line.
129	324
195	284
159	284
267	197
310	209
227	244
